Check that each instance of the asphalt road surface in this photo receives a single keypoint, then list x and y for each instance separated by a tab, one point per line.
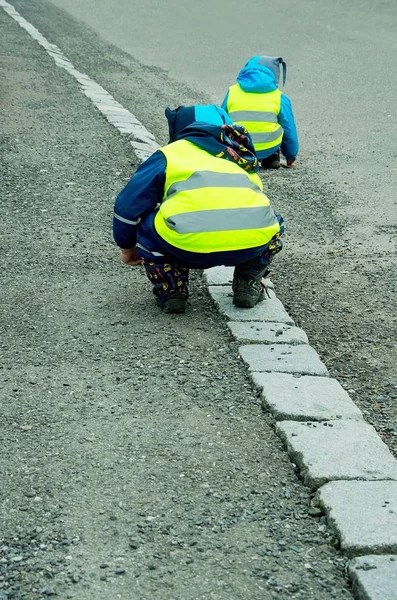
136	460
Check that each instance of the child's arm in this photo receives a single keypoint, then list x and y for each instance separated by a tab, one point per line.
139	197
290	143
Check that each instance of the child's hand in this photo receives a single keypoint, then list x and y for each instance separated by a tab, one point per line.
130	257
290	162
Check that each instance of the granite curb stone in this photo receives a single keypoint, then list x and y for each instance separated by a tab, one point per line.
363	513
218	276
332	450
224	276
305	398
267	333
337	444
227	292
374	577
270	310
283	358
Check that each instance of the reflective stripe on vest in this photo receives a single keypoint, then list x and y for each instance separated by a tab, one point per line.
203	179
265	137
211	204
253	115
227	219
258	113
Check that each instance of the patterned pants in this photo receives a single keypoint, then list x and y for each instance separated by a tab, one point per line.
167	278
275	245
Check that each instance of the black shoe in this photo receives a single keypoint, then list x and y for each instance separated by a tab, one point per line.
272	162
247	292
175	303
171	304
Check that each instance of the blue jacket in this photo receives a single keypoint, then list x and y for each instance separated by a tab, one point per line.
259	79
136	207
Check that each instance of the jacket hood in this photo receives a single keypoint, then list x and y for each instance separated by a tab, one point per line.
261	74
183	116
178	119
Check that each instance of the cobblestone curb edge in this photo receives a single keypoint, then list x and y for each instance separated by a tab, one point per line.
339	456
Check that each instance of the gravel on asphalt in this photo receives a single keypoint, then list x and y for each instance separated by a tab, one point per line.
136	461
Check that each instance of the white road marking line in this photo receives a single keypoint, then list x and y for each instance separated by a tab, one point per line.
144	143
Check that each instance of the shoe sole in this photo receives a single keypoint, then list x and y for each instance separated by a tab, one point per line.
174	308
171	306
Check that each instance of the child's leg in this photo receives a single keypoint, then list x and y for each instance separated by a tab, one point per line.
170	284
247	277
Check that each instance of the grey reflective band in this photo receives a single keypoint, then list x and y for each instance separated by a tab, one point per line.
123	220
205	179
149	251
226	219
257	116
266	136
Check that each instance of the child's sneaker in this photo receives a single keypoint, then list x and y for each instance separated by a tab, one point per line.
175	303
171	303
247	292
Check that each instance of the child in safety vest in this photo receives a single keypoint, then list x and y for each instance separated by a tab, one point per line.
256	103
196	203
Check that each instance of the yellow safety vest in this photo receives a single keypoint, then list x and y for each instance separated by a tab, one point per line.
258	112
211	204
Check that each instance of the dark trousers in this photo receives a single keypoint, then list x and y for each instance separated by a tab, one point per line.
271	162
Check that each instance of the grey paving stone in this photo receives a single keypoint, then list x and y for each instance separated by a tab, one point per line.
331	450
224	276
270	310
218	276
374	577
283	358
363	513
227	292
305	398
267	333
